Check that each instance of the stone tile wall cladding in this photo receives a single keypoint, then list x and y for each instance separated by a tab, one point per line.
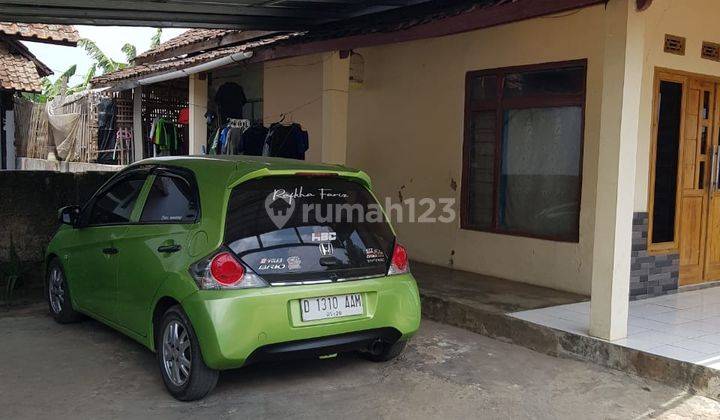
650	275
28	210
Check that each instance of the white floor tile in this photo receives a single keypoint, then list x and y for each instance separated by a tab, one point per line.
679	353
681	330
712	339
684	326
580	307
638	344
699	346
677	317
646	323
569	315
648	310
709	325
711	361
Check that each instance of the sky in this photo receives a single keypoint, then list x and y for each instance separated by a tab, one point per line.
110	39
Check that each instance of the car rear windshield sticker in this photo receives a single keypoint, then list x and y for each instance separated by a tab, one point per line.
293	263
374	255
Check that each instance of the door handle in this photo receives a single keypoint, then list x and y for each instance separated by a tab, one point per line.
110	251
169	249
714	169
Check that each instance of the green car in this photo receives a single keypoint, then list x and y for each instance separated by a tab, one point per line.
218	262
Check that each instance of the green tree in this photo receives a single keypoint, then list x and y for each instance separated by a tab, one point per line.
155	40
130	51
102	60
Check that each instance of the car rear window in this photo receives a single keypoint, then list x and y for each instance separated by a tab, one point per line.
304	229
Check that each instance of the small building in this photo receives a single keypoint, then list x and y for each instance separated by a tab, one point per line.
21	71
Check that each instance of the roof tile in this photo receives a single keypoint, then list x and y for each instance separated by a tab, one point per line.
180	63
40	32
186	38
17	72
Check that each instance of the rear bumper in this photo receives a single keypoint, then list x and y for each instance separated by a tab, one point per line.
316	347
239	326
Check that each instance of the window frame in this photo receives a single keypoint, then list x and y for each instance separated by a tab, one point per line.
86	211
175	172
662	75
500	104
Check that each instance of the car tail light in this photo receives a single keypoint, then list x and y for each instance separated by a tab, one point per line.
399	263
222	270
226	270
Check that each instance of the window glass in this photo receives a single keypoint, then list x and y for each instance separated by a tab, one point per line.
666	162
569	81
171	200
523	153
539	188
325	231
483	89
481	168
116	204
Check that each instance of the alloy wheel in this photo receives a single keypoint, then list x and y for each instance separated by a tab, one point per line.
176	353
56	293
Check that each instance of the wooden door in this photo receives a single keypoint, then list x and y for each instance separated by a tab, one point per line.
712	246
697	146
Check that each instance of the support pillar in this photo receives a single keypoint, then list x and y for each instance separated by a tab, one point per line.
198	99
138	134
335	83
614	200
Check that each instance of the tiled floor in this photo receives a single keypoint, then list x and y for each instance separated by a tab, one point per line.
684	326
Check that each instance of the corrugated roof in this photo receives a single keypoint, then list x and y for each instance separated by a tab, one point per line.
186	38
159	67
17	72
40	32
394	21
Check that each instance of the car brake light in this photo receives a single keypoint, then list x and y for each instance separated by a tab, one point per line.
226	270
223	270
399	263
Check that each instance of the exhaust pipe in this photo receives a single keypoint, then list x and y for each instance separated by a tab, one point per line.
376	347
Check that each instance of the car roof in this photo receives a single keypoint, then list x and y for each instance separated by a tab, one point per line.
241	167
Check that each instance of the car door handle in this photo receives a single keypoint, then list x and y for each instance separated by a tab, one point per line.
169	249
110	251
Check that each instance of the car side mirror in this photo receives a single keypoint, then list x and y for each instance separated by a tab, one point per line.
69	215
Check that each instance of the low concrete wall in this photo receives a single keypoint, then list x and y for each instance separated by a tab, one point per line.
30	164
29	201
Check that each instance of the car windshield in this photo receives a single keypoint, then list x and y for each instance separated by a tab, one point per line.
292	229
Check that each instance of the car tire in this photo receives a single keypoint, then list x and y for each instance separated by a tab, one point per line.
57	294
176	344
388	352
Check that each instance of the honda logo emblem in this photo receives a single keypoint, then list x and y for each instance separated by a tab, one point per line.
326	248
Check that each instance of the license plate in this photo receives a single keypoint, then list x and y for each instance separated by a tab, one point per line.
327	307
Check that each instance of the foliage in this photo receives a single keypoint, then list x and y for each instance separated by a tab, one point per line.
130	51
103	61
155	40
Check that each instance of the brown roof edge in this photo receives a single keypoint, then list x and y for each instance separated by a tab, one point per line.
42	69
228	39
39	32
472	20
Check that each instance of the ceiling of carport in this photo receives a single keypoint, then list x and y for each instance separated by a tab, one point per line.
277	15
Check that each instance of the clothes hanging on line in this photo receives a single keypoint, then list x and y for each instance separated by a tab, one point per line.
230	99
228	138
165	137
287	141
107	112
253	140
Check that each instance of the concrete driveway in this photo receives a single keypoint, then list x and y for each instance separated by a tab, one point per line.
89	371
